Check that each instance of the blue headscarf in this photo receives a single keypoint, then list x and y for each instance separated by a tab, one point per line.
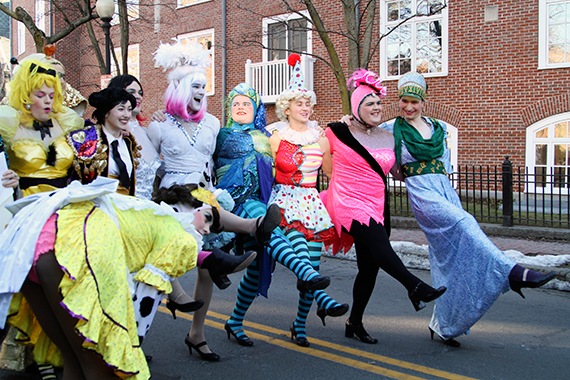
259	121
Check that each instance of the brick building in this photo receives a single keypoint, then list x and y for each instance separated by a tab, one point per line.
497	71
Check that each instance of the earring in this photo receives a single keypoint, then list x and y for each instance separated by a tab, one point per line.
27	106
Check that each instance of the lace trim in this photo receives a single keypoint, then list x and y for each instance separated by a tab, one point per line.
306	137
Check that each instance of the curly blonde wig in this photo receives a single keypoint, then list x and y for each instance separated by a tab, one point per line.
284	101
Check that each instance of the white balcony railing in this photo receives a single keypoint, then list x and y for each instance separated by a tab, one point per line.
269	79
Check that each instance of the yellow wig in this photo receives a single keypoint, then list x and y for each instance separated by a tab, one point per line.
32	75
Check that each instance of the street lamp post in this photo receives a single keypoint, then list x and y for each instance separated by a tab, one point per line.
106	10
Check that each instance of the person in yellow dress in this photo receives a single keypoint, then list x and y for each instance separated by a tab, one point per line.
73	300
34	126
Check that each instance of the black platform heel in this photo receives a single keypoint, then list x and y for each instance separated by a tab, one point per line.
266	224
208	356
219	264
424	293
301	341
183	307
520	277
241	341
335	311
448	342
361	334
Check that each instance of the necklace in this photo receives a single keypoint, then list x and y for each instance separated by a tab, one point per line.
368	129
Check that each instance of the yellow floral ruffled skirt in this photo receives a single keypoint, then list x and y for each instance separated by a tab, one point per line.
90	251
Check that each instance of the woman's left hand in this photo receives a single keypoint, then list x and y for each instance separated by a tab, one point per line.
10	179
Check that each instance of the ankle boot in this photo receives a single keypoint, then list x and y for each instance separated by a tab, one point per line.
520	277
424	293
266	224
219	264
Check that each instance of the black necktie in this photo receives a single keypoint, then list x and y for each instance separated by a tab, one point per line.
123	175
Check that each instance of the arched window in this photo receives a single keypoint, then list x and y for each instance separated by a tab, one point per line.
547	151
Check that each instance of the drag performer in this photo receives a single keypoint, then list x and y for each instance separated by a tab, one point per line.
187	141
70	253
34	126
461	256
149	160
358	208
299	151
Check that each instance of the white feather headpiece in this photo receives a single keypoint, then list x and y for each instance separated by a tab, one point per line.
182	58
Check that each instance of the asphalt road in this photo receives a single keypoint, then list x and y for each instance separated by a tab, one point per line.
517	339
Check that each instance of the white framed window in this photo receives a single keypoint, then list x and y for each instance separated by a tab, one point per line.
132	11
187	3
283	34
40	15
205	38
553	34
548	153
133	66
21	38
420	44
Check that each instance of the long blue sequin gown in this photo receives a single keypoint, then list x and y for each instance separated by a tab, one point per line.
462	257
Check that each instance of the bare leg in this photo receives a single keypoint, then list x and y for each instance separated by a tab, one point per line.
49	274
234	223
203	291
178	294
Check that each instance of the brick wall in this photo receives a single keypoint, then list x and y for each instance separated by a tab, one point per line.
492	93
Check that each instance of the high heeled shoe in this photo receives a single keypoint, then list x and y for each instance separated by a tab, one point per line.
183	307
335	311
241	341
300	340
448	342
316	283
219	264
266	224
361	334
208	356
424	293
521	277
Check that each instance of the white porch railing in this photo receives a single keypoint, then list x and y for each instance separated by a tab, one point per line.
269	79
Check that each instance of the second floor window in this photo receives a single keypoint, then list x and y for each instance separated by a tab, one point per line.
420	44
554	33
285	34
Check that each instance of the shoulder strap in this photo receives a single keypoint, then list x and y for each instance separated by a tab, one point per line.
342	132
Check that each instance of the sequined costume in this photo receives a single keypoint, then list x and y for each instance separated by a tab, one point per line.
187	156
30	156
149	162
98	242
462	257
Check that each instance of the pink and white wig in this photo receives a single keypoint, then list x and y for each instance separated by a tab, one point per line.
179	93
365	83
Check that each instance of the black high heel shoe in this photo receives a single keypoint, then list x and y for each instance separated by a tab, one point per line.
448	342
219	264
316	283
335	311
520	277
301	341
208	356
183	307
266	224
361	334
241	341
424	293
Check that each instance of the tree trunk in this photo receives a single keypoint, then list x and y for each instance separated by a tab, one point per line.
124	23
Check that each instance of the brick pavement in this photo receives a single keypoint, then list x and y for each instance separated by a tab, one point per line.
526	246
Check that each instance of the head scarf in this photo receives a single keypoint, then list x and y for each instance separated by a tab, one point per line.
414	85
259	121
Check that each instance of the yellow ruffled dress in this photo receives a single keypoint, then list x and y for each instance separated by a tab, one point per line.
28	155
94	255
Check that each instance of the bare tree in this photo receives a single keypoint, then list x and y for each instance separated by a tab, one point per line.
357	32
74	14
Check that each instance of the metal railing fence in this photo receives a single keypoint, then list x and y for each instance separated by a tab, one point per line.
500	195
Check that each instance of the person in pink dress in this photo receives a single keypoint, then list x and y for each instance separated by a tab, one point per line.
357	208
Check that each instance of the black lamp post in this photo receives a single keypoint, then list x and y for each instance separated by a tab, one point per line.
106	10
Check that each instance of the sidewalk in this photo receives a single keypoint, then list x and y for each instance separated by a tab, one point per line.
541	249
